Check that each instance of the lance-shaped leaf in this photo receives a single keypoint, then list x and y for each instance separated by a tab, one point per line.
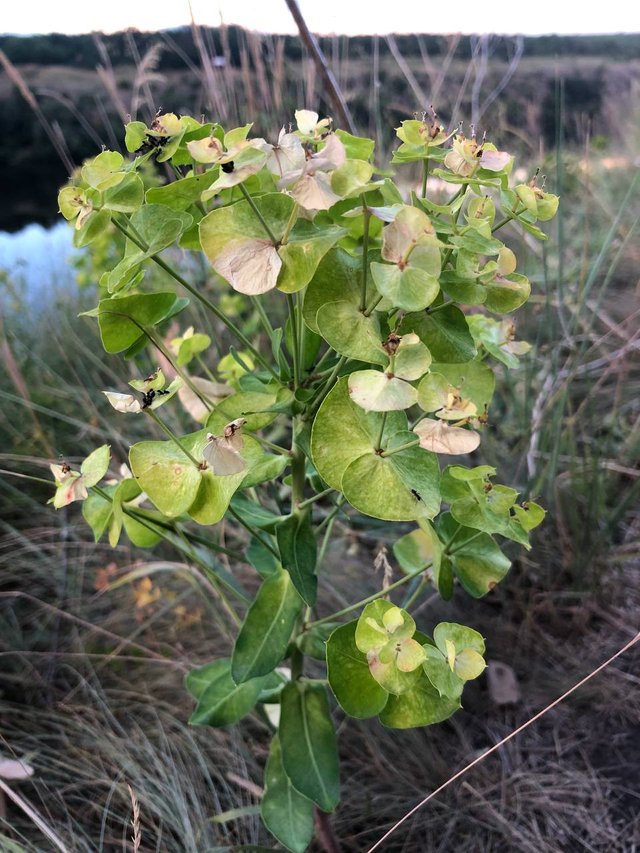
297	546
309	745
287	814
238	247
263	639
420	706
375	391
357	691
220	700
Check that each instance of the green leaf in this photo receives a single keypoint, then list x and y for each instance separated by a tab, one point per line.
297	546
342	432
505	295
476	559
419	706
306	247
159	226
104	171
220	701
356	147
377	391
475	380
357	692
261	558
344	326
96	511
122	319
237	245
419	549
400	487
95	466
287	814
309	744
127	196
134	135
95	225
410	288
166	474
181	194
445	332
263	639
338	277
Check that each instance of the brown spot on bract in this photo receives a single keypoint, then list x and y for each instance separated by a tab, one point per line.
178	470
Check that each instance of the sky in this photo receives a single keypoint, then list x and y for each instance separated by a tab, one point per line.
326	16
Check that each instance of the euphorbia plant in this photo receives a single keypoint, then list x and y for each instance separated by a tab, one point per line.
373	394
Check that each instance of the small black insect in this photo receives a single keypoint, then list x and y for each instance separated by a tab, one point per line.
149	396
416	495
227	167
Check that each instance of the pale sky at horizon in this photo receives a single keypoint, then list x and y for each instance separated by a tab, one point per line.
326	16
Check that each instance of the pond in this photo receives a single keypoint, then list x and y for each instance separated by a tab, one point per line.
36	261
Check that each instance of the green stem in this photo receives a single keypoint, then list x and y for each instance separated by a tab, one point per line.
290	223
315	498
250	529
425	176
406	604
295	344
199	296
450	542
328	385
365	255
254	207
174	438
373	305
298	465
406	446
158	343
368	599
329	520
383	421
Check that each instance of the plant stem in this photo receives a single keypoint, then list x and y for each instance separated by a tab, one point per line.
332	515
315	498
197	295
295	344
368	599
383	421
250	529
425	176
290	223
254	207
174	438
406	604
317	400
365	255
393	450
373	305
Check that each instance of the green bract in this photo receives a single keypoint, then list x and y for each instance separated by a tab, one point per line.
335	357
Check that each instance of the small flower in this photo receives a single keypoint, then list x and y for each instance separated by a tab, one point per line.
467	155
